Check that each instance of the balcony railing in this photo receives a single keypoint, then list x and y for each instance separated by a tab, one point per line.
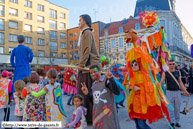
175	48
55	48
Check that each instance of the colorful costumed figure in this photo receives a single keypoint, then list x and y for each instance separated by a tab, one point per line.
146	100
70	82
21	56
116	70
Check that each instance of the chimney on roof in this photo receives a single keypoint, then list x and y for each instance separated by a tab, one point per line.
131	17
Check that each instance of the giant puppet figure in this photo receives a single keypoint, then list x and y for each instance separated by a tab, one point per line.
88	56
21	56
144	62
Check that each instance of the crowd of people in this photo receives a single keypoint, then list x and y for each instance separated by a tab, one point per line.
38	94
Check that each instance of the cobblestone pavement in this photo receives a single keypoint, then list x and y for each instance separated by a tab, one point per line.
186	121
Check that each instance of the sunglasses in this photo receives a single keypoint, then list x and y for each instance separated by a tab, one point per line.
135	64
172	64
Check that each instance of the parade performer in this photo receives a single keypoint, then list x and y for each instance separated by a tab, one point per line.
79	120
146	94
70	82
21	56
88	55
102	97
54	106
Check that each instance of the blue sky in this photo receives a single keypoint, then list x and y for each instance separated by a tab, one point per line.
115	10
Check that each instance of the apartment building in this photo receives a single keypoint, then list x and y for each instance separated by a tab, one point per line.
44	26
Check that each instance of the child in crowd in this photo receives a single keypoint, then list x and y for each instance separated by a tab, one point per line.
54	106
33	109
26	80
103	90
19	102
42	75
79	120
5	95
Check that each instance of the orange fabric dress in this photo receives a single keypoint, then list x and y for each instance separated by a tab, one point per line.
145	103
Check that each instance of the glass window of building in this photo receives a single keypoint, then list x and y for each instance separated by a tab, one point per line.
28	15
28	27
14	1
63	45
40	53
54	54
113	43
53	13
28	3
76	55
28	40
76	43
120	42
13	12
62	25
62	35
62	15
11	49
53	24
106	45
13	24
71	35
76	33
1	50
162	23
40	30
53	35
121	57
71	44
71	55
137	26
1	38
63	55
53	46
106	32
2	24
1	10
12	37
40	18
40	7
40	42
121	29
2	1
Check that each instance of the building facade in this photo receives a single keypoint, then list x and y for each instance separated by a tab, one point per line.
44	26
179	39
73	37
112	43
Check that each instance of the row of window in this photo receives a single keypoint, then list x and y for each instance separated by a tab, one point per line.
28	40
71	44
40	53
113	43
74	55
137	27
14	25
12	11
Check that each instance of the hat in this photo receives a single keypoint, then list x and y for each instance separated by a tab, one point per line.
21	38
4	73
10	73
87	18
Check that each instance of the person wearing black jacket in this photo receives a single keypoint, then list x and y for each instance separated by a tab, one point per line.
190	78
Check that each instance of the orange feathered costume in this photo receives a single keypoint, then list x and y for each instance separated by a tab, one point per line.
149	102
